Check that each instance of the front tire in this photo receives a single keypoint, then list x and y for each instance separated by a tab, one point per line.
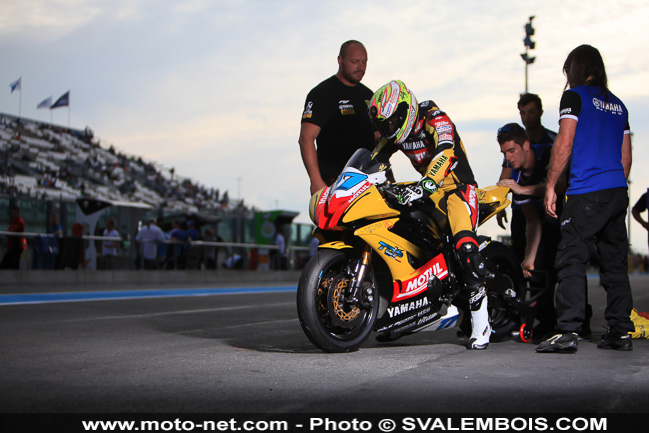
331	322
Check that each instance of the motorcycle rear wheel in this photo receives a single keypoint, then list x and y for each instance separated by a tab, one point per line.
503	316
331	323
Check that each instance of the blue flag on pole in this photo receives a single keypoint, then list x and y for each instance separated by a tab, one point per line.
63	101
45	103
16	84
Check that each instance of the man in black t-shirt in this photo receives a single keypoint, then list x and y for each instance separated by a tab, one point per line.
335	117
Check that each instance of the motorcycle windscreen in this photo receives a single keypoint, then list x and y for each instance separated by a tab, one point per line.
327	207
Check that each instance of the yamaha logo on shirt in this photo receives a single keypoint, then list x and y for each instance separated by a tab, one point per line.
608	107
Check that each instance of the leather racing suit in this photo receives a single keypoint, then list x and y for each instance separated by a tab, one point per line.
436	151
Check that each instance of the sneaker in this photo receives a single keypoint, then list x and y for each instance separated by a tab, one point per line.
559	343
615	341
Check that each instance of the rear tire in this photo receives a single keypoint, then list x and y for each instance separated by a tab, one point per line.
331	323
508	285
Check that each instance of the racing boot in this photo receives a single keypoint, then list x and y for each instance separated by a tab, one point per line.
480	327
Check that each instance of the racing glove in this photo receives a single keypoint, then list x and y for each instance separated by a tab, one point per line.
410	194
416	193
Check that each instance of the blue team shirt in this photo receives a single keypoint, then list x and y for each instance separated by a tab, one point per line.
596	158
539	174
540	149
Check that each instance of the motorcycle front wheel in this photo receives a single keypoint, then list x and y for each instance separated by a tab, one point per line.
332	322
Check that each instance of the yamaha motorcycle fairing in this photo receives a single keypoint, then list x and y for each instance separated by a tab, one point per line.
389	268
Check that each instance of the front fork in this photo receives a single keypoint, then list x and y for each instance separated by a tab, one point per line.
354	293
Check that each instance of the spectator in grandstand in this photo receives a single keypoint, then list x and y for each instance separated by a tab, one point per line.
46	248
109	248
211	251
147	240
280	255
15	244
54	228
161	259
177	253
194	253
192	233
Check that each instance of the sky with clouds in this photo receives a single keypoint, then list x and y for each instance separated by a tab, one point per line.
216	88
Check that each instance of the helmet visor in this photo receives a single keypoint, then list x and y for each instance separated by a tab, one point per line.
390	127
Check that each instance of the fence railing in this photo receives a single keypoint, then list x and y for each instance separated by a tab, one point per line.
291	249
166	241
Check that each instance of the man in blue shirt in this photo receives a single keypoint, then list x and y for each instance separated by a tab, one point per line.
148	238
529	164
177	252
530	108
594	139
191	232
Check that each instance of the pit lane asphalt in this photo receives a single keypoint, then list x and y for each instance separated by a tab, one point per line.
246	353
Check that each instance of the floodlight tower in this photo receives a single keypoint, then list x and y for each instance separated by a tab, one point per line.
529	45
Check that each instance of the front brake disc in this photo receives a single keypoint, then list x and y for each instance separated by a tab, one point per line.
342	313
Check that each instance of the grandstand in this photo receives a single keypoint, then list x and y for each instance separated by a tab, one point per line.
48	169
48	162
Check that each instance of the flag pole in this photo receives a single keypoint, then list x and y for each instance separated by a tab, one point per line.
64	100
18	85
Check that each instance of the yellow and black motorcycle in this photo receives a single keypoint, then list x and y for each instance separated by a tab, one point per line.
389	268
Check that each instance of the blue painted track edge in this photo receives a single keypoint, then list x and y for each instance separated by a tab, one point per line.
41	298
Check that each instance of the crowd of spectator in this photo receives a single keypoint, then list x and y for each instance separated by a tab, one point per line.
44	161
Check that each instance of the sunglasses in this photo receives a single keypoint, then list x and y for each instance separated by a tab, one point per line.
510	127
